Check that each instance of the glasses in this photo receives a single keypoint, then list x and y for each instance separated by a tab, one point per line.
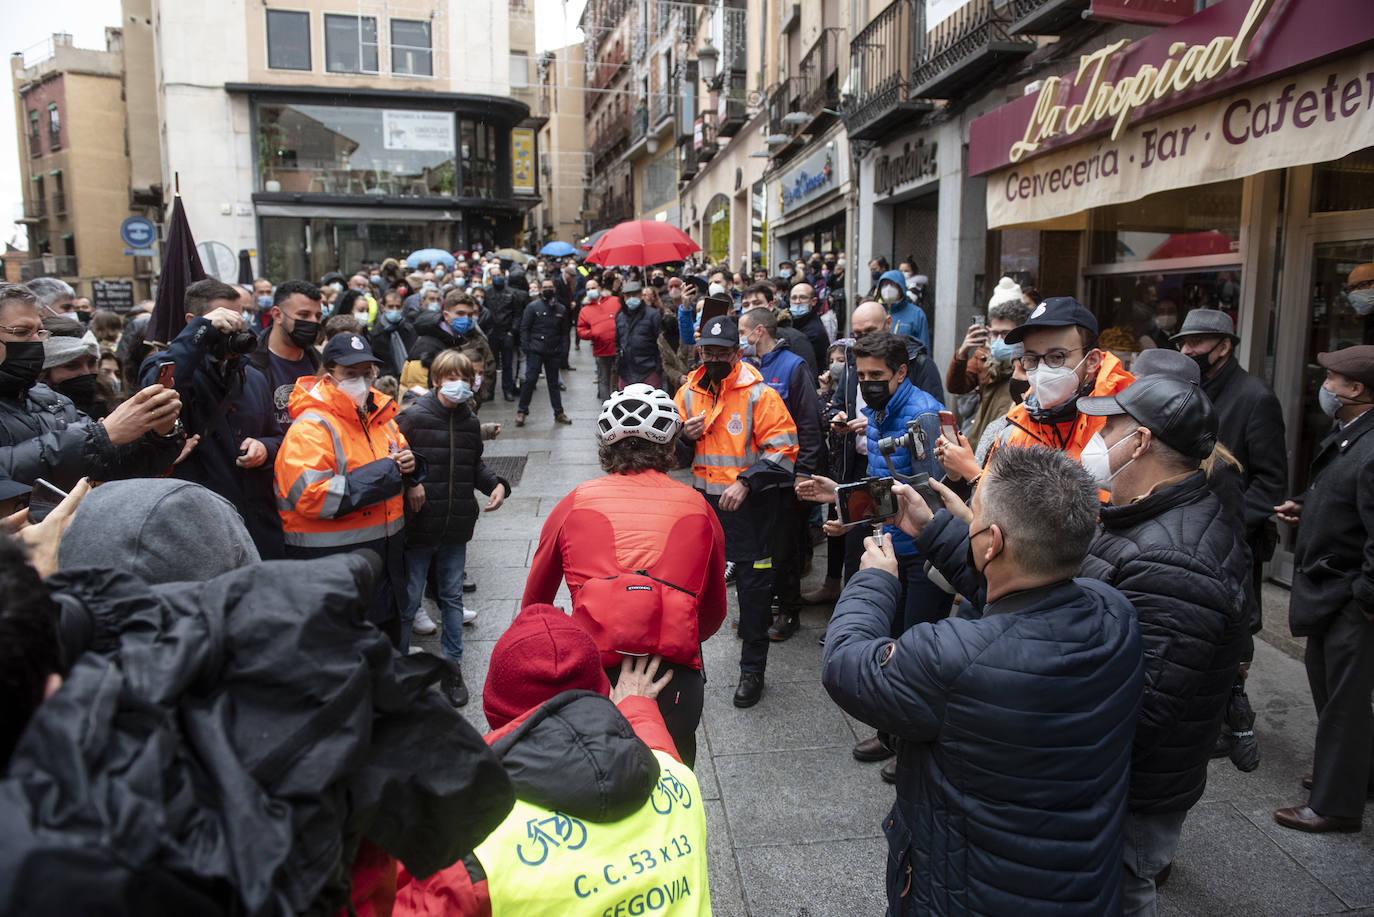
1054	359
800	300
26	334
1362	285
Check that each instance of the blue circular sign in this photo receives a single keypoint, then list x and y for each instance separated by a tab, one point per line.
138	232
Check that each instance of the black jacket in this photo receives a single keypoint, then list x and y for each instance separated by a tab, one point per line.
636	344
450	441
224	403
800	344
43	435
1250	424
380	338
544	327
1183	563
225	747
503	308
811	326
1333	559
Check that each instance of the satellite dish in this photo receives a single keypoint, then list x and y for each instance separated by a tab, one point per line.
219	261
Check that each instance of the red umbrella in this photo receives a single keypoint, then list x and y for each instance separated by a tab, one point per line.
1189	244
640	243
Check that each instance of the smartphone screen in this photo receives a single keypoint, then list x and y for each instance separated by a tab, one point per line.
949	428
165	374
865	501
43	500
714	307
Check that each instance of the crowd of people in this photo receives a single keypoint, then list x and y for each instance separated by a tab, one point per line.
1044	565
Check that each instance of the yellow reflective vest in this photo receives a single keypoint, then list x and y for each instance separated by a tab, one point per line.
541	863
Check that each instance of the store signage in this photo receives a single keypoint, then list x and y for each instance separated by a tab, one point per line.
417	131
1146	12
1321	114
113	295
913	164
806	181
1231	44
522	160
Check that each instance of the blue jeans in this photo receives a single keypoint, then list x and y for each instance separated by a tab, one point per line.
449	560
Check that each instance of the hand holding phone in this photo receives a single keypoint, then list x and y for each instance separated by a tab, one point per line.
44	499
949	427
166	375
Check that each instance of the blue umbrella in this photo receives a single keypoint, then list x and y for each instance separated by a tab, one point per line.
432	255
557	249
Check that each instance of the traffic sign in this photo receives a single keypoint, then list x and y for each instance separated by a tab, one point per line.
138	232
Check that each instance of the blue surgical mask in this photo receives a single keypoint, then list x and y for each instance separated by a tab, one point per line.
498	282
264	302
461	325
785	273
457	390
798	311
460	283
633	302
376	278
393	316
434	306
1003	352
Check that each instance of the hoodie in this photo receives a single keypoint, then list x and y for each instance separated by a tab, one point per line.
907	317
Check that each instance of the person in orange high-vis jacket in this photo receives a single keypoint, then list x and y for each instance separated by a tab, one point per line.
742	444
343	470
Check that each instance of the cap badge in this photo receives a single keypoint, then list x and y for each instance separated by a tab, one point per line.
1039	311
717	328
357	343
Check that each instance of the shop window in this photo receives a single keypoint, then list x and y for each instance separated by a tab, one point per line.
1344	184
717	219
350	44
336	149
1136	312
1187	223
411	49
481	167
288	40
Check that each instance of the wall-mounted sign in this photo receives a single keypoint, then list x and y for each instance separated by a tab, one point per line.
916	161
1229	45
417	130
114	295
138	232
808	180
1146	12
522	160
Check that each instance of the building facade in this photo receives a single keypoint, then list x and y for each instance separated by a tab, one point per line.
564	164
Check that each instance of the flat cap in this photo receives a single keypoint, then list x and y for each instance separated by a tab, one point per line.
1355	363
1177	412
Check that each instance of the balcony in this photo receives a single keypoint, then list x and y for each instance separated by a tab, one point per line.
613	209
614	132
54	141
48	266
1044	17
35	145
881	57
732	112
688	163
819	73
785	117
663	105
35	210
704	141
965	49
59	203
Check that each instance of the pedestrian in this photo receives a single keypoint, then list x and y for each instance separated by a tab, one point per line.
1332	602
342	470
503	329
442	429
393	335
802	309
975	780
636	340
742	447
676	552
287	351
983	364
452	326
541	338
595	761
71	362
907	316
1250	425
596	322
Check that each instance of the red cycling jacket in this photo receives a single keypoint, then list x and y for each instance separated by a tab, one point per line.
621	523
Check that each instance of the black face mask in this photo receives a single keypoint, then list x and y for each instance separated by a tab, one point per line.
303	332
1204	360
546	295
658	281
84	317
23	363
973	570
876	394
1018	388
85	392
717	370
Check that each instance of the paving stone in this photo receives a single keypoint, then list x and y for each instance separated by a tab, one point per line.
722	870
1344	863
790	716
853	872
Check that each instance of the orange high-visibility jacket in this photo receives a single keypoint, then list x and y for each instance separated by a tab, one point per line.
749	433
337	486
1071	436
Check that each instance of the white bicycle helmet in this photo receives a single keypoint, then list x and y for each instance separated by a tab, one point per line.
640	410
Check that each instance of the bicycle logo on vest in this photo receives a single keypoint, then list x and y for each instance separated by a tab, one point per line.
670	790
557	830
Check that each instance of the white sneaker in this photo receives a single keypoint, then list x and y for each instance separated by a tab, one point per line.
423	625
469	615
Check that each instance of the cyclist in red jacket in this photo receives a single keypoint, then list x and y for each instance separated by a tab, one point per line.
643	555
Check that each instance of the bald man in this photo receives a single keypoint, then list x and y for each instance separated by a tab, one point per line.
1359	291
921	370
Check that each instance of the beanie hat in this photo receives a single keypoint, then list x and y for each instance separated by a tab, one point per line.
1006	289
542	654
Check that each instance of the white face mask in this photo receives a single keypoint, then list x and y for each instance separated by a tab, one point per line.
716	289
355	389
1097	460
1052	386
456	390
890	293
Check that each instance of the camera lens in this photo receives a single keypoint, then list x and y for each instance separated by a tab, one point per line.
242	342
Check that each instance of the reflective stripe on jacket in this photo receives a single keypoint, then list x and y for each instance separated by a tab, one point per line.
748	434
336	484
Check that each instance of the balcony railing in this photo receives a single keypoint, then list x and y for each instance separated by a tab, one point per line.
688	163
783	101
1044	17
615	131
36	209
48	266
704	141
732	112
54	140
881	57
819	73
639	123
59	203
613	209
662	104
964	49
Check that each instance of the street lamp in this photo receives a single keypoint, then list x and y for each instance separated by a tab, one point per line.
707	59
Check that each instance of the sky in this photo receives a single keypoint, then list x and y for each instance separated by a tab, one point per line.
29	25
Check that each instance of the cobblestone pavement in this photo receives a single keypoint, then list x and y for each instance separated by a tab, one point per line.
794	819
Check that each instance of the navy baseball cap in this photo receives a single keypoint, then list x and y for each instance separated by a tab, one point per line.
720	331
1055	312
348	350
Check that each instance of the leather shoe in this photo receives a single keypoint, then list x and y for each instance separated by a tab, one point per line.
520	420
562	418
872	750
1307	785
455	691
750	689
784	627
1302	818
827	592
889	771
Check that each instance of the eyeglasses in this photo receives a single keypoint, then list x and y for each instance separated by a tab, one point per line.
1054	359
1362	285
800	300
26	334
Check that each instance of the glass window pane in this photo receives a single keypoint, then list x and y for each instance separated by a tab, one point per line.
288	40
519	69
1136	312
1172	224
1344	184
410	48
350	44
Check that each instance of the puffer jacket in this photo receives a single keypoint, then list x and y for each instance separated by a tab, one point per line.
1015	744
908	403
450	441
225	747
43	435
544	327
636	344
1182	561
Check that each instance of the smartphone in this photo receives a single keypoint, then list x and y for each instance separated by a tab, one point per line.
865	501
43	500
714	307
165	373
949	427
979	321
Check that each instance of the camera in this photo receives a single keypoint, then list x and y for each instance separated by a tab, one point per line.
913	440
237	344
